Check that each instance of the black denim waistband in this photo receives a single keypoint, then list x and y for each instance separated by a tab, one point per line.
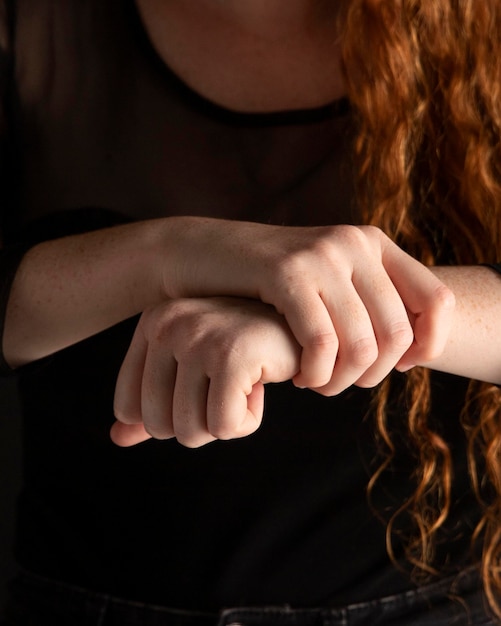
37	601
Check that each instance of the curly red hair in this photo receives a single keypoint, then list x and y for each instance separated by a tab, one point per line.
424	77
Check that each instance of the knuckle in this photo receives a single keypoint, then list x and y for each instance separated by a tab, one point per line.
444	298
369	230
164	320
177	307
354	235
363	352
398	337
125	414
290	273
370	382
327	391
316	381
324	245
250	427
223	360
223	430
359	238
192	442
330	243
230	351
323	342
157	431
374	239
297	262
120	413
187	437
186	442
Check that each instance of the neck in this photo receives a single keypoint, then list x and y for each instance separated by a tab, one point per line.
250	55
269	19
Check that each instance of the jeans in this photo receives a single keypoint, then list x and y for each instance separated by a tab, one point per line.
36	601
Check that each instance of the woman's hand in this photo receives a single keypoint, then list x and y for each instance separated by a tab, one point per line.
356	303
195	370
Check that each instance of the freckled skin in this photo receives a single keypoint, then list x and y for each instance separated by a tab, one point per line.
69	289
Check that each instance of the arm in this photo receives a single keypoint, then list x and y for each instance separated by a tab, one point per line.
68	289
473	348
345	291
357	305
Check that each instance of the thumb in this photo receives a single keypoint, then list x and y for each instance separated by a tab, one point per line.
125	435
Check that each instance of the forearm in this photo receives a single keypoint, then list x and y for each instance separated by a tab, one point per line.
71	288
68	289
474	345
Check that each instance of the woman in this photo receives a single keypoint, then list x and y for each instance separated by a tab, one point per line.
257	120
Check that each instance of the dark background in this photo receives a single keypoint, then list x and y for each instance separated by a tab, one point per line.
10	478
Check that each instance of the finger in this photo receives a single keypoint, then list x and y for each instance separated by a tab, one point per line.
189	407
431	331
125	435
234	409
127	399
255	407
357	343
281	358
388	315
254	414
429	302
312	326
157	390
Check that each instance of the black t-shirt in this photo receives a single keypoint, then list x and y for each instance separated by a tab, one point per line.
96	130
